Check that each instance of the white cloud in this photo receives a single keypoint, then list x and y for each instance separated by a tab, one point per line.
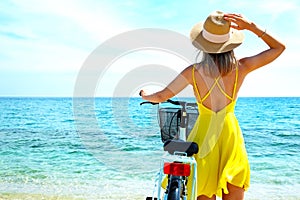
50	39
95	18
55	33
42	56
277	7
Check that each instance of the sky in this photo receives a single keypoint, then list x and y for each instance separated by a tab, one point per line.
44	44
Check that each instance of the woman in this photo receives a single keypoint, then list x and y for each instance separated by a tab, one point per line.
223	168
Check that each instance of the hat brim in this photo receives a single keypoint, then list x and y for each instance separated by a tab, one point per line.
236	38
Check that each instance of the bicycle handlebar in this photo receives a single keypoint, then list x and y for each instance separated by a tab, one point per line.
177	103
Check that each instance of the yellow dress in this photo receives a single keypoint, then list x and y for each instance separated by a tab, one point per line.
222	156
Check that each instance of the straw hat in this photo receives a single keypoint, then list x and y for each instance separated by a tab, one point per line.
215	34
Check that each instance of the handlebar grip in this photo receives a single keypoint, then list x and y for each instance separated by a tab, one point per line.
148	102
177	103
169	101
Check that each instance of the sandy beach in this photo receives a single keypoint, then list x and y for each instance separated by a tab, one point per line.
20	196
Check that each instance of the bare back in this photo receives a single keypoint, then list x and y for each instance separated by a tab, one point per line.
216	93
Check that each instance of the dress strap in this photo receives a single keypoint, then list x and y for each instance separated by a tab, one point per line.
236	80
195	84
209	91
212	87
216	83
234	87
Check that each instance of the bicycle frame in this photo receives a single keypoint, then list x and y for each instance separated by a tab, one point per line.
176	158
176	165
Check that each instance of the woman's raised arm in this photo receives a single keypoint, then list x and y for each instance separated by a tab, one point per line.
253	62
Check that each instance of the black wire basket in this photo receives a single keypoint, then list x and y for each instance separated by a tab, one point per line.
170	118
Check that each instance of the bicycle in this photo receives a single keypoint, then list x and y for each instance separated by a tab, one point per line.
178	161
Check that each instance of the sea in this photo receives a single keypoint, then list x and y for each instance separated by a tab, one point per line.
110	148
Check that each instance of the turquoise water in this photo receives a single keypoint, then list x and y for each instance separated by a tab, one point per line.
110	148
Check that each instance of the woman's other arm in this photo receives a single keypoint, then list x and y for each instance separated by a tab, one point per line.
275	46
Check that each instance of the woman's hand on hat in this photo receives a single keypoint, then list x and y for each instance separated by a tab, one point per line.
239	22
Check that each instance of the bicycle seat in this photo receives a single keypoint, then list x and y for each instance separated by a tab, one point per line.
190	148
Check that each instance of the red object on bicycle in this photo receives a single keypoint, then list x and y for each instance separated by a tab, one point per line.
177	169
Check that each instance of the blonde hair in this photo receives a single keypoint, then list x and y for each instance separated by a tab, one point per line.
218	64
